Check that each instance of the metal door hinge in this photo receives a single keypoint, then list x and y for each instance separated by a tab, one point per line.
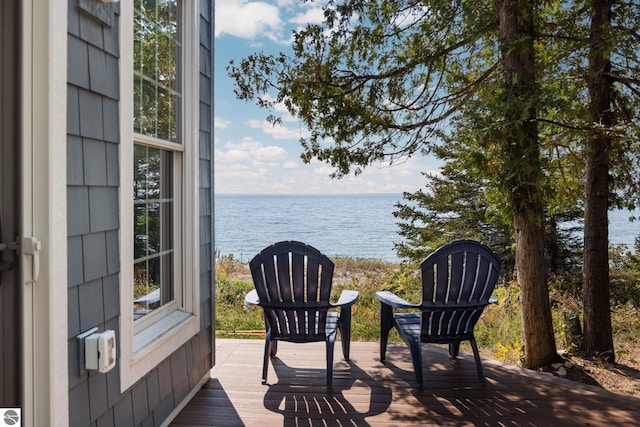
10	246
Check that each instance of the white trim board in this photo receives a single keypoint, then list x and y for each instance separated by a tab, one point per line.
44	211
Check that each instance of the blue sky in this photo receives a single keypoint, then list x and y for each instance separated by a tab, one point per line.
252	156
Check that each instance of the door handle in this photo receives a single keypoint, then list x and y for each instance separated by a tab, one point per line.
31	246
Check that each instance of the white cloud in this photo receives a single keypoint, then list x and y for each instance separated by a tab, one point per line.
311	16
220	123
247	20
246	143
285	3
290	165
323	170
252	153
231	156
270	154
278	131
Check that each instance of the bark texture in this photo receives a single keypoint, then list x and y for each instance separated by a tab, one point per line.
598	337
523	177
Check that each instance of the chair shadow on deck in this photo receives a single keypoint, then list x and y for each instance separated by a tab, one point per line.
451	393
367	392
302	397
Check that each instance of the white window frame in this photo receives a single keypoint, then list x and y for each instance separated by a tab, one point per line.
145	345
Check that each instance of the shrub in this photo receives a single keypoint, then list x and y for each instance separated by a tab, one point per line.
498	332
499	327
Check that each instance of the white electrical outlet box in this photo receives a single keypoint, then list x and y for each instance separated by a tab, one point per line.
100	351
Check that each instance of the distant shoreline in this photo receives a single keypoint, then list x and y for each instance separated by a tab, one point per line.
305	194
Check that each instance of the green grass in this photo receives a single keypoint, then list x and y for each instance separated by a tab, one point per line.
232	316
498	332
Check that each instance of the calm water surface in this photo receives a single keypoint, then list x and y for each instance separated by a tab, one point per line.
358	226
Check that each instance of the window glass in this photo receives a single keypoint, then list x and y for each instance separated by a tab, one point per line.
153	244
157	52
156	167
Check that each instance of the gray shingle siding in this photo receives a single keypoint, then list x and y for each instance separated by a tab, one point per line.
110	116
103	203
91	121
91	304
77	210
93	186
75	269
75	170
77	62
123	411
103	72
94	257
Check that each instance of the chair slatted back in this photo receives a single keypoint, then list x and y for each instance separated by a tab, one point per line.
293	281
457	282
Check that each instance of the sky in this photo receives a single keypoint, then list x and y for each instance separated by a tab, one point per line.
251	155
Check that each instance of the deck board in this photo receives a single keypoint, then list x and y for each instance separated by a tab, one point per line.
367	392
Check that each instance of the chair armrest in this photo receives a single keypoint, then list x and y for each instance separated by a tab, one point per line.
347	298
391	299
252	298
493	300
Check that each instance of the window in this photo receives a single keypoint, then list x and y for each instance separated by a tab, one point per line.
154	253
157	71
159	168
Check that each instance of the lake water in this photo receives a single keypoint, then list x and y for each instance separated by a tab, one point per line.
357	226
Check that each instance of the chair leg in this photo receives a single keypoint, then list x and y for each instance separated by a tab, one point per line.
267	351
330	344
454	349
386	323
476	355
416	357
345	331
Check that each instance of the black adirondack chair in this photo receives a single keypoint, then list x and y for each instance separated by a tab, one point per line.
293	286
457	282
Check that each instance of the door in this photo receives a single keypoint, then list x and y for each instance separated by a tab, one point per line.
10	295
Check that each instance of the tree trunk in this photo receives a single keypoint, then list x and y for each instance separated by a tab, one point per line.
537	324
553	244
597	318
523	174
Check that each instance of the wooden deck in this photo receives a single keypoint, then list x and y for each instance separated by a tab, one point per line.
366	392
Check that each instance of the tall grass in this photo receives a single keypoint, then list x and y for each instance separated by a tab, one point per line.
498	332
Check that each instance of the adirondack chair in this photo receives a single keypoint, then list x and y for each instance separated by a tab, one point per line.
457	282
292	285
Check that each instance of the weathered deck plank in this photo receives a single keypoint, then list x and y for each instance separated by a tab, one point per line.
366	392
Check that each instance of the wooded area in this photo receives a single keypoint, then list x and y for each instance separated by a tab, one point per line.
536	103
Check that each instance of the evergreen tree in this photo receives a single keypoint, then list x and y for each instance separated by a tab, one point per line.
591	126
453	205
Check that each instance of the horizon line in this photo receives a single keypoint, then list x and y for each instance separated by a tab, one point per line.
308	194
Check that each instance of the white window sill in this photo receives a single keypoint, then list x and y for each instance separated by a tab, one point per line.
154	344
155	333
